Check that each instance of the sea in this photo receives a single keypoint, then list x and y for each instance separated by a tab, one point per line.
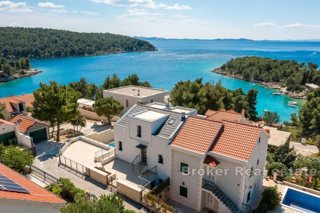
176	60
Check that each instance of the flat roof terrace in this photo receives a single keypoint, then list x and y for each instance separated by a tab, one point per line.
136	91
150	116
83	150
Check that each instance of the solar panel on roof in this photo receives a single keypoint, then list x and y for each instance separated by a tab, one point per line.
8	185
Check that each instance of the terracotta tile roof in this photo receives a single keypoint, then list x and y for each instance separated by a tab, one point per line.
25	122
8	101
211	161
36	193
231	139
236	140
221	115
197	134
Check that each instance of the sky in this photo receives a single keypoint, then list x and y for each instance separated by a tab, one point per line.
206	19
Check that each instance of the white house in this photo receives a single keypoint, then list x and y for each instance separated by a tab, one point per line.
18	194
217	165
143	134
131	95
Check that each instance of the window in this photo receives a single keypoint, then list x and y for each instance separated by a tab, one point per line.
184	168
258	162
127	103
248	197
160	159
120	146
151	101
139	131
259	140
183	191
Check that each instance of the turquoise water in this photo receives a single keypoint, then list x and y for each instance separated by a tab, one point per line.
176	60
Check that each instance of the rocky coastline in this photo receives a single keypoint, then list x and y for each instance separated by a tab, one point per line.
19	75
270	85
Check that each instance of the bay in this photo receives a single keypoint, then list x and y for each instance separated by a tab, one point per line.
175	60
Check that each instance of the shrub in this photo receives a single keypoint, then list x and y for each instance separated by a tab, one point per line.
15	158
66	190
278	167
271	198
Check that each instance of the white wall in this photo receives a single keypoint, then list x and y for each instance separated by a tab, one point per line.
24	140
6	128
230	182
192	182
146	129
259	152
155	146
159	146
15	206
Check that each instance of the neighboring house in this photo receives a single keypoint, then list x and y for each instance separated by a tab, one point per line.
131	95
7	133
143	134
15	105
226	148
36	129
18	194
277	137
229	115
312	86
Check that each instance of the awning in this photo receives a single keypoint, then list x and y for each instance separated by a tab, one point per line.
141	146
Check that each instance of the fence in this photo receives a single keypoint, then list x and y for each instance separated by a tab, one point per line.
77	167
42	175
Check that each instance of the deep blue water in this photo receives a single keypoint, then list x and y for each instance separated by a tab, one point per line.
302	201
176	60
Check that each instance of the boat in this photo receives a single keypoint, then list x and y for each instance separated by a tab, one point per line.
276	93
292	104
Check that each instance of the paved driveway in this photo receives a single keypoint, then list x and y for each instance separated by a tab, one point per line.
47	159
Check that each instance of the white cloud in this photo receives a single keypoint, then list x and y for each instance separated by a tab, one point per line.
50	5
300	25
265	24
288	26
9	6
150	4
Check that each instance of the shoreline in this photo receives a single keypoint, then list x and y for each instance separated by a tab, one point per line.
269	85
28	73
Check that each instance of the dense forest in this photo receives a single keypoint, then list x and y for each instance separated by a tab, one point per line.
17	42
9	67
288	73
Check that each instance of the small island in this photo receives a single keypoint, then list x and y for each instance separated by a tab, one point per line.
11	69
288	76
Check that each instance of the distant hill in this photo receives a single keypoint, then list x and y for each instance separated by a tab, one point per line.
17	42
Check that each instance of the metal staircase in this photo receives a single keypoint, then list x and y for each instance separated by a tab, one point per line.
137	165
212	187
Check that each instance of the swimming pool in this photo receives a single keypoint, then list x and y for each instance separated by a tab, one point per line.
111	144
301	201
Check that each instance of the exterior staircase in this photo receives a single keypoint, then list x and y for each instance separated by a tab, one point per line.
137	165
212	187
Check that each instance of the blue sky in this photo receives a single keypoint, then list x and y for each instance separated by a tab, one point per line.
255	19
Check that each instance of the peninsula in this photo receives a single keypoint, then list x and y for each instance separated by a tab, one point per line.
288	76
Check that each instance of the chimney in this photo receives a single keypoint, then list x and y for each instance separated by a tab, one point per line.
183	116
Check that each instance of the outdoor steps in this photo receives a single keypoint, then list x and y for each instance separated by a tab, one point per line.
222	197
138	167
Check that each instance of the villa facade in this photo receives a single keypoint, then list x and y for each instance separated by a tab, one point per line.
190	149
143	134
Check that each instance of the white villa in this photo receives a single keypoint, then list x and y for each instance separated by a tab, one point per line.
131	95
175	142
